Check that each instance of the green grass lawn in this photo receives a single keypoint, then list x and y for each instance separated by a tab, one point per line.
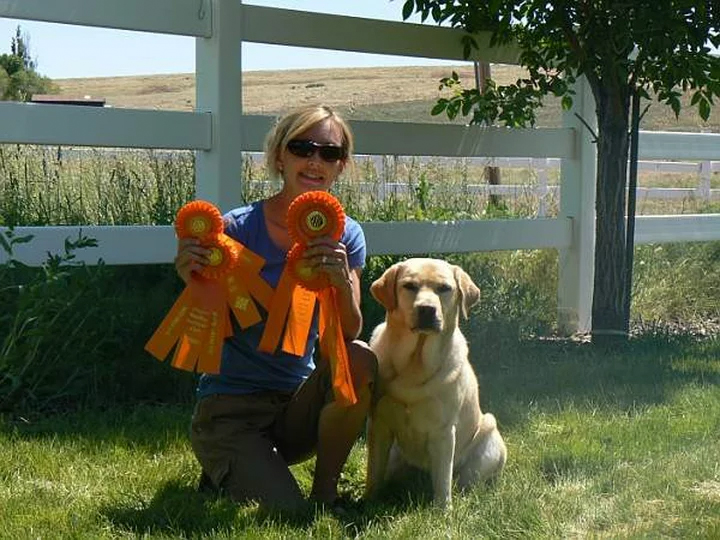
618	444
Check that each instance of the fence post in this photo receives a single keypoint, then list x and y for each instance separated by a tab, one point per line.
577	203
703	190
379	165
219	93
541	190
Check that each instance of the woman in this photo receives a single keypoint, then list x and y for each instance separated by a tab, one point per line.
264	412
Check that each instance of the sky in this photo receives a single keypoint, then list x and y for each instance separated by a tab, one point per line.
66	51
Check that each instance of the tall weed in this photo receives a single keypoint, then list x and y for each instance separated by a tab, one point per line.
678	284
72	334
71	186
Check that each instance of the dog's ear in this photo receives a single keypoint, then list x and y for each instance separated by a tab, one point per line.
383	288
469	292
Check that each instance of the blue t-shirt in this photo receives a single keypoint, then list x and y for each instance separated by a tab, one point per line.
244	369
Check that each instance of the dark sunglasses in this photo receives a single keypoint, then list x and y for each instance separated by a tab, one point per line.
305	148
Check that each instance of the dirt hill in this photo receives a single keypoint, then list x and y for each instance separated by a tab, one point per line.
266	91
389	93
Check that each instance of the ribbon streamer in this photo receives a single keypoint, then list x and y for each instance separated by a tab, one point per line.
199	320
332	348
313	214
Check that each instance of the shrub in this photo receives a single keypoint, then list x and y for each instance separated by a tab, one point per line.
72	334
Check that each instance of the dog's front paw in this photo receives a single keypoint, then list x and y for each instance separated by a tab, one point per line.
443	502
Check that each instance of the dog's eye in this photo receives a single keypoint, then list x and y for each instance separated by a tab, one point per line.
410	287
443	288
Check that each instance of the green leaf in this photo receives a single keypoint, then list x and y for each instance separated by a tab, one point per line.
674	103
23	239
704	109
452	109
5	245
567	102
439	107
408	9
436	13
466	107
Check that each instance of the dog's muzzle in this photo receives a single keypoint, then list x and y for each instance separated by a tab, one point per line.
426	319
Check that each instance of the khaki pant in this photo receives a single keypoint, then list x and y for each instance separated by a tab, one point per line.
245	443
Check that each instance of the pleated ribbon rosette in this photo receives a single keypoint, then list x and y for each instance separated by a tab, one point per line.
199	320
310	215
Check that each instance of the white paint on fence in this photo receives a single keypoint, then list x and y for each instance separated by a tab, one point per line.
157	244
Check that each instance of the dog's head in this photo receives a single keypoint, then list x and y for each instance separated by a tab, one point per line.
428	294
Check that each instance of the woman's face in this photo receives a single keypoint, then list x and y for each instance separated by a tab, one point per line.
303	174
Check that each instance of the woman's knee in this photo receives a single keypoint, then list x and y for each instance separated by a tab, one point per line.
363	363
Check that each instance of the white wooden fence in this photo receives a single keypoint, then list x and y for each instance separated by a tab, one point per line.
218	129
541	189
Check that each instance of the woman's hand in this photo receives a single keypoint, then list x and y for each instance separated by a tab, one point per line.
330	256
191	257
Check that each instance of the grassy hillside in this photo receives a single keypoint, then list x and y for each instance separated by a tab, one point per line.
388	93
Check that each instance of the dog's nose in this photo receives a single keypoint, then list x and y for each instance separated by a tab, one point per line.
426	317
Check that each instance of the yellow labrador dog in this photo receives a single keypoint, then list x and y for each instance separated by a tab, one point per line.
428	413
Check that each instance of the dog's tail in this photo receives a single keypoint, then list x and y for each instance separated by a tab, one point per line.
491	453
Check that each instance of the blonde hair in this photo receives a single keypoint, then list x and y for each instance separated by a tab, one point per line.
297	121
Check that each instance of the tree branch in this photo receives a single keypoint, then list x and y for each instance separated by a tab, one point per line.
589	128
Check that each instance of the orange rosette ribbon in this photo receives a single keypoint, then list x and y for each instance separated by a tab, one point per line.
198	219
199	320
310	215
307	276
314	214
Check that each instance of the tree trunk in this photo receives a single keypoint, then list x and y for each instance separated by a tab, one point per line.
492	174
610	255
